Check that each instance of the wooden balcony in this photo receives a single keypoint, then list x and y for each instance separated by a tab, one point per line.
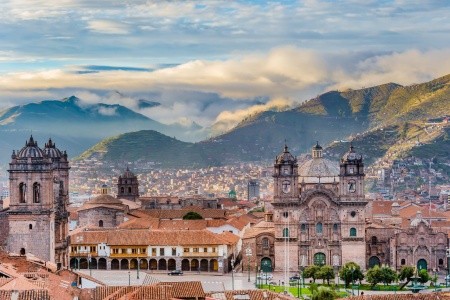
200	254
129	255
83	254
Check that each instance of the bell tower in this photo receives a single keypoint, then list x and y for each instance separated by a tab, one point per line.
285	173
351	176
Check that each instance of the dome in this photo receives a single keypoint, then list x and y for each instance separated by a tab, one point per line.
105	199
51	151
351	155
285	157
418	219
318	168
31	149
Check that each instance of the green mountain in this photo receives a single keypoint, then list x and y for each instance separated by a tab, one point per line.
378	118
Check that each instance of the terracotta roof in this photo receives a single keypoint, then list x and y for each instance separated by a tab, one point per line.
428	296
411	211
261	227
257	295
179	213
182	224
381	207
141	223
229	238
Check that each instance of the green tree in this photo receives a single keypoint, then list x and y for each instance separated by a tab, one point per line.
192	215
326	272
424	276
388	275
324	293
406	273
351	271
312	272
373	275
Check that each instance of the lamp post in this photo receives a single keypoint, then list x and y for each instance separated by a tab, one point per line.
137	270
129	278
448	267
352	269
248	253
89	264
232	273
256	275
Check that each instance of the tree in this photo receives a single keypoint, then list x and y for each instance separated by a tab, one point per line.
373	275
326	272
311	272
388	275
192	215
424	276
406	273
324	293
351	271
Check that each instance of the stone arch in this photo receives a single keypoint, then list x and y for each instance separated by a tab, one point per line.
213	265
185	265
162	264
115	265
153	265
133	264
124	265
36	192
319	259
195	265
422	264
171	264
74	263
83	263
204	265
93	263
374	261
352	232
100	223
22	251
143	264
324	195
22	192
266	264
102	265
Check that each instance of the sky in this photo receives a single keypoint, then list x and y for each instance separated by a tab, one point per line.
215	62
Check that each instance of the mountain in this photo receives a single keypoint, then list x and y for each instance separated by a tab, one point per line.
380	117
74	125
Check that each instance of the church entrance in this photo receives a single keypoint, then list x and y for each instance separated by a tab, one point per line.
374	261
266	264
422	264
319	259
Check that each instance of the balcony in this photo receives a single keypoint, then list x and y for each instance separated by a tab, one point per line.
129	255
200	254
83	254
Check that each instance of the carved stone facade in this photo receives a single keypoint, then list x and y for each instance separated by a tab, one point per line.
37	215
128	186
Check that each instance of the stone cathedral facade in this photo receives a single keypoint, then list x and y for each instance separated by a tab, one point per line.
318	211
37	218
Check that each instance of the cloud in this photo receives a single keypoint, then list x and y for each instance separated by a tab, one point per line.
107	111
108	27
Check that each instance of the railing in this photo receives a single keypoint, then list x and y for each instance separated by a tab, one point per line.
83	254
128	255
200	254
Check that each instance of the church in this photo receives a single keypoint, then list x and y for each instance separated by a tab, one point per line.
318	210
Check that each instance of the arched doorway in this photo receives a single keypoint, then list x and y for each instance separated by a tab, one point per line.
194	265
115	265
213	265
185	265
204	265
22	251
143	264
83	263
266	264
374	261
172	264
102	264
124	264
153	264
162	264
93	263
74	263
319	259
422	264
133	264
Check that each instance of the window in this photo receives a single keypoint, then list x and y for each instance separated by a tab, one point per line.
186	250
353	214
36	192
285	214
124	250
115	251
441	261
133	251
214	250
153	251
174	251
161	251
195	250
129	190
100	223
74	249
122	190
30	226
265	243
303	227
22	251
205	250
22	192
143	250
335	227
374	240
352	231
319	259
403	262
286	232
319	228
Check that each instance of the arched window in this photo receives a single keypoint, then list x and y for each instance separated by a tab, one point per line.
22	192
335	227
319	228
319	259
36	192
30	226
286	232
303	228
100	223
352	231
265	243
122	190
129	190
441	261
374	240
402	261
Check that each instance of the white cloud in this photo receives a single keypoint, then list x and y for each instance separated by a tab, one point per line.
108	27
107	111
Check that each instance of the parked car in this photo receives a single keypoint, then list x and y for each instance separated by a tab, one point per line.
265	276
295	277
175	272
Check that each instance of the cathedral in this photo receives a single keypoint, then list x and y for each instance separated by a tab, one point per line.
318	210
37	217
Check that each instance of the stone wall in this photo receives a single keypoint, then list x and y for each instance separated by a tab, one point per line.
92	217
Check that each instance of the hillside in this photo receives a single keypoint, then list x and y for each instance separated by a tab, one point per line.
383	120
